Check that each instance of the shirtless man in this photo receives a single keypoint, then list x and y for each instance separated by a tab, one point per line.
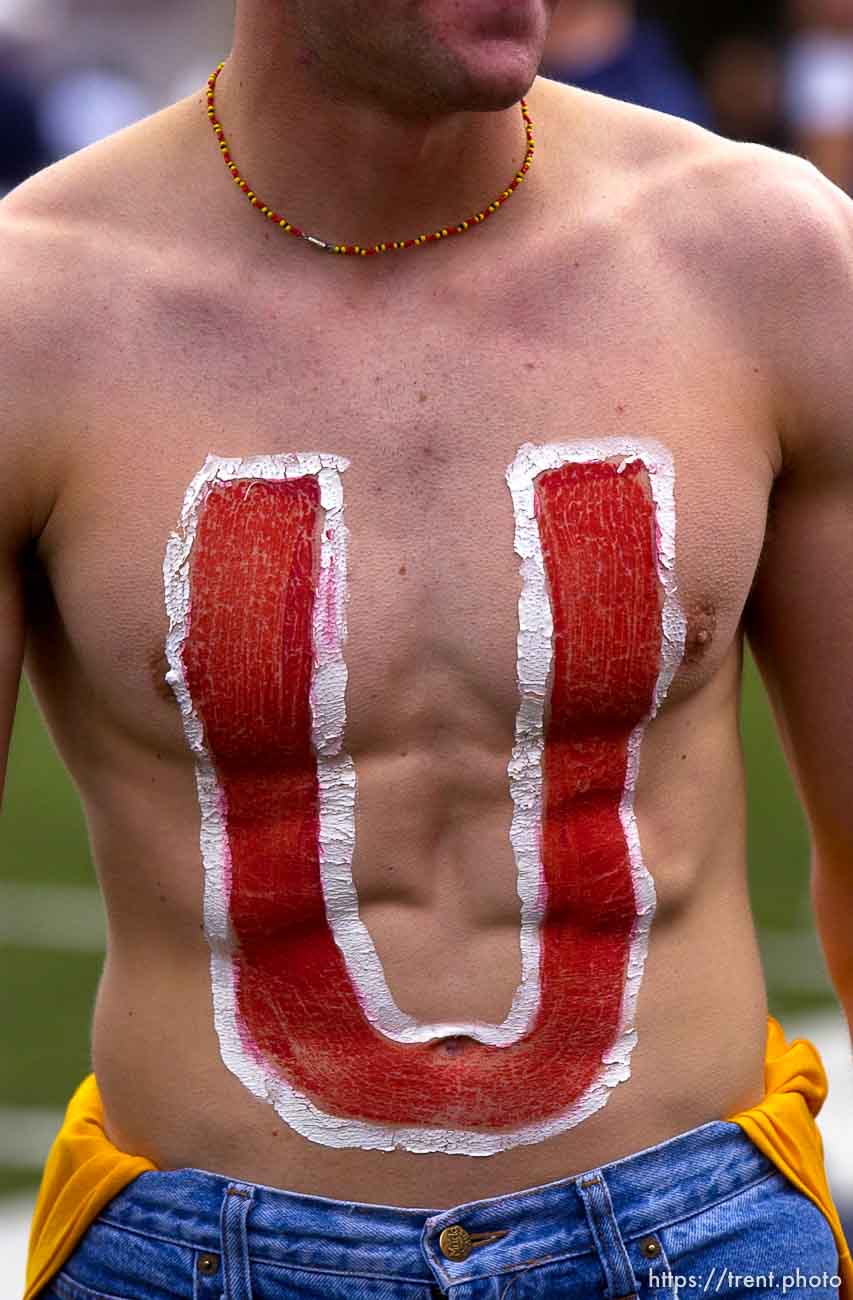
388	612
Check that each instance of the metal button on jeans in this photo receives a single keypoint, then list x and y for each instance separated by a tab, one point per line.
457	1243
208	1264
454	1242
650	1247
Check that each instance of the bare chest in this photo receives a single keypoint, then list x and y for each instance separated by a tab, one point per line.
424	410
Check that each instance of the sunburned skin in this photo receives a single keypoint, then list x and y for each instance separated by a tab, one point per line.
256	588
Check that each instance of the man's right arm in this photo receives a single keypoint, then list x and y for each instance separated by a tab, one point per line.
11	623
16	524
28	403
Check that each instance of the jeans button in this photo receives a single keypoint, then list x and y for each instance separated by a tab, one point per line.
650	1246
208	1264
454	1242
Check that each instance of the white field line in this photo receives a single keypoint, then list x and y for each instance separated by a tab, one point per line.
829	1032
26	1133
15	1216
60	917
793	961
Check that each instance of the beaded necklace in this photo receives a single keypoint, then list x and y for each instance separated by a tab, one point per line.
357	249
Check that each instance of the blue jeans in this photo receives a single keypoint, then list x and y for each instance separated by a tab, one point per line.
704	1213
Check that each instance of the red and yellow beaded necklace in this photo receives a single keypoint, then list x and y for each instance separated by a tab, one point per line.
357	249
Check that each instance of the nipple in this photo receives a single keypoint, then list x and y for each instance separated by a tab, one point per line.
701	625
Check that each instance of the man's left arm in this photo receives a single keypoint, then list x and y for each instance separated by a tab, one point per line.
799	616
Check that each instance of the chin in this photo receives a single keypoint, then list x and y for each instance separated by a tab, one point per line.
467	65
481	94
499	82
486	76
497	63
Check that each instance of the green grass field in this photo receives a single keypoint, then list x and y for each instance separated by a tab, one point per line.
47	993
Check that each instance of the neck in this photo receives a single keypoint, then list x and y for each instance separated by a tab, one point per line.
350	169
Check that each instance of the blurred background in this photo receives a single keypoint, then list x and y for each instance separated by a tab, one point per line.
72	71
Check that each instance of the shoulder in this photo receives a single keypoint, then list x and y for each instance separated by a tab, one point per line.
84	238
684	178
769	239
776	240
703	197
760	236
80	244
99	207
39	308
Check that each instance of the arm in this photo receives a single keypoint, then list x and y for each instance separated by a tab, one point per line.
799	617
14	534
27	471
11	639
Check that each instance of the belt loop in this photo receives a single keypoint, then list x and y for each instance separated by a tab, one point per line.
235	1247
612	1254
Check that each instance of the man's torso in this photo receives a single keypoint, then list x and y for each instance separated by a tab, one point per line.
584	317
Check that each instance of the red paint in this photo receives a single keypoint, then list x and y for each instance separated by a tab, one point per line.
248	661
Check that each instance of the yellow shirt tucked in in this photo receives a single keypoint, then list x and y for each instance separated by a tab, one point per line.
84	1171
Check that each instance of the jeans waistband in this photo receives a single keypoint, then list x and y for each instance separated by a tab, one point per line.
653	1187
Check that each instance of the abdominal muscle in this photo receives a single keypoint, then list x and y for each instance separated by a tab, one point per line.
437	893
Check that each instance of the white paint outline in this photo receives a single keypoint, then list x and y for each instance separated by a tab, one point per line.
337	792
535	654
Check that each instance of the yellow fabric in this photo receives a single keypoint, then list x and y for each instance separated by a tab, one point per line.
84	1170
783	1126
